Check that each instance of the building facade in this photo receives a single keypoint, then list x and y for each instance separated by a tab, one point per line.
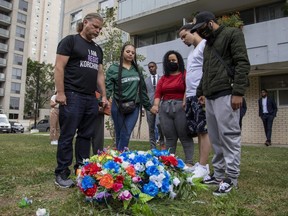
153	27
15	18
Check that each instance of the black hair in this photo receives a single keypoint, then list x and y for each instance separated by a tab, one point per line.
264	90
152	62
181	66
186	27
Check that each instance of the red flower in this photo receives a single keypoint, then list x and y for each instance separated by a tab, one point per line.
91	169
117	187
169	160
119	179
90	191
117	160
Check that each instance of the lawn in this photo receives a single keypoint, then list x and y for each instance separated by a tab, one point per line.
27	170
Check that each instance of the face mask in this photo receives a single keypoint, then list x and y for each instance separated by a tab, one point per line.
172	66
206	32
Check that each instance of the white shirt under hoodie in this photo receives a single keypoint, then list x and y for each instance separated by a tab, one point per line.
194	69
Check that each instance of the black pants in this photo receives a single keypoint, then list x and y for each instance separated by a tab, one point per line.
267	122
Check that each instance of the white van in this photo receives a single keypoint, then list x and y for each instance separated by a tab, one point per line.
4	124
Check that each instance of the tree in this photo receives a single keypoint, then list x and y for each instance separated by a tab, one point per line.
40	79
112	44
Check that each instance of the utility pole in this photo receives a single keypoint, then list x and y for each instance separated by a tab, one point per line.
36	103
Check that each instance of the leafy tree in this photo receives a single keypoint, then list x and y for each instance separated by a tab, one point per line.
40	79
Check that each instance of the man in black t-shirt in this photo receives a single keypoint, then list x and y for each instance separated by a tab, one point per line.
78	74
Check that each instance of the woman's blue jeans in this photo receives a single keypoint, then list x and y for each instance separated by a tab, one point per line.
123	125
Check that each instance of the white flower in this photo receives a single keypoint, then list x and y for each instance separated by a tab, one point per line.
125	164
42	212
149	163
172	195
139	167
132	156
189	180
141	152
104	171
176	181
156	180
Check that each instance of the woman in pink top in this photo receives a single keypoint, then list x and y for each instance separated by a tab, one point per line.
170	91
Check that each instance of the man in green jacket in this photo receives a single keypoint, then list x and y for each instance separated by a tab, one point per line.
222	87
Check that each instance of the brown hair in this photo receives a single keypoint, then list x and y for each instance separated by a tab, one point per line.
88	17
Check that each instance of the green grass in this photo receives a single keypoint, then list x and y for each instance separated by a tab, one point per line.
27	165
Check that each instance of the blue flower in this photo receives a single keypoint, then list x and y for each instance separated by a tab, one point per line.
165	185
150	189
87	182
140	159
181	164
152	170
111	165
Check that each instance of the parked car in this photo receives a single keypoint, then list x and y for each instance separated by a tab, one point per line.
16	127
4	124
43	125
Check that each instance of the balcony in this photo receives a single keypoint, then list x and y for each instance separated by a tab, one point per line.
4	34
3	48
142	16
5	6
2	77
5	20
3	62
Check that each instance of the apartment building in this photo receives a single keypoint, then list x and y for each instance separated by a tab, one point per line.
45	30
14	33
153	26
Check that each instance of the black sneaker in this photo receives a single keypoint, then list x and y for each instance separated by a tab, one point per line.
211	180
64	183
224	187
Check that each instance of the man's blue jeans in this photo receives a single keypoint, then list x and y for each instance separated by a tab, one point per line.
79	114
123	125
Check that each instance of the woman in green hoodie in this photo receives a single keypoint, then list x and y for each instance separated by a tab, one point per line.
125	83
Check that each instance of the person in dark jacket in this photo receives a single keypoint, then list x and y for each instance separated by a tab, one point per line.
267	112
222	91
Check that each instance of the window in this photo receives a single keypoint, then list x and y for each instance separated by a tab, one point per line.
269	12
20	32
277	87
75	18
19	45
23	5
13	116
14	103
18	59
15	88
156	37
263	13
21	18
16	73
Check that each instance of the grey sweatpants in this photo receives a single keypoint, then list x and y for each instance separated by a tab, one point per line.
225	136
173	123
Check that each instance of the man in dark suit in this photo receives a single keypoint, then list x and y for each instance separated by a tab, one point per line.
153	120
267	112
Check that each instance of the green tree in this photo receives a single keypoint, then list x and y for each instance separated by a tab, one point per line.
40	79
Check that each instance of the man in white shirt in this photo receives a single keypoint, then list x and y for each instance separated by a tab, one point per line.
195	112
153	120
267	112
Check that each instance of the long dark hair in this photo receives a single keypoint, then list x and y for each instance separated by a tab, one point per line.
181	66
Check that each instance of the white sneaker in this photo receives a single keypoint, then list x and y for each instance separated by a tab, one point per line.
200	171
54	142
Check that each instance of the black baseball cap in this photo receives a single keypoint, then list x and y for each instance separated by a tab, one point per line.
202	18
